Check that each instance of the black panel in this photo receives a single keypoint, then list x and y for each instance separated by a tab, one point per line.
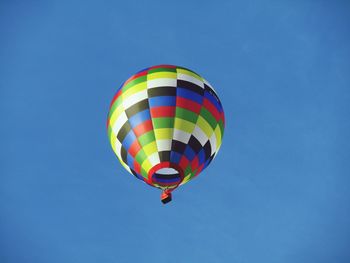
124	155
209	90
164	156
211	158
161	91
166	176
138	107
195	144
166	199
207	150
178	146
133	172
190	86
123	131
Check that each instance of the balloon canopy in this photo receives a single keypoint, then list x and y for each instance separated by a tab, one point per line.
165	125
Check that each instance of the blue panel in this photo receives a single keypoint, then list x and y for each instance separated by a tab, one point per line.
187	94
162	101
175	157
207	162
140	177
130	161
201	157
128	140
166	180
139	118
189	153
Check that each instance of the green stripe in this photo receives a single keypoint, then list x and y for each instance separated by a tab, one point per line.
140	157
134	82
221	126
186	115
193	174
188	170
146	138
144	173
164	122
154	70
208	117
115	104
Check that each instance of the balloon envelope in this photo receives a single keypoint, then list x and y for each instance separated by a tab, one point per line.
165	125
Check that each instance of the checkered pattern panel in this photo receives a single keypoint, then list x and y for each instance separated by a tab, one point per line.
165	114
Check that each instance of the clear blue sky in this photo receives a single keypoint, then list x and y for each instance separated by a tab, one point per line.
278	190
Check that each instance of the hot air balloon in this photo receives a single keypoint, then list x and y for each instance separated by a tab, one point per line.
165	124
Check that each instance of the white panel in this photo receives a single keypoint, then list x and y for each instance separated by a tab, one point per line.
135	98
190	79
118	147
119	123
213	143
154	158
167	82
208	84
200	135
181	136
163	145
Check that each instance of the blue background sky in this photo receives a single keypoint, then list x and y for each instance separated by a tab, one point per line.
278	190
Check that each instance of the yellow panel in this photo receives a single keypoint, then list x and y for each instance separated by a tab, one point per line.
184	125
204	125
186	179
144	172
164	133
115	115
146	165
134	89
150	148
113	139
184	71
218	137
160	75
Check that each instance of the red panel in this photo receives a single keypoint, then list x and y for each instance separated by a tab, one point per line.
188	104
143	128
134	148
184	163
212	109
158	166
194	163
163	111
137	167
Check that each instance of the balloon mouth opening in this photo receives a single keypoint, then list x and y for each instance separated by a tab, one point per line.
167	176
